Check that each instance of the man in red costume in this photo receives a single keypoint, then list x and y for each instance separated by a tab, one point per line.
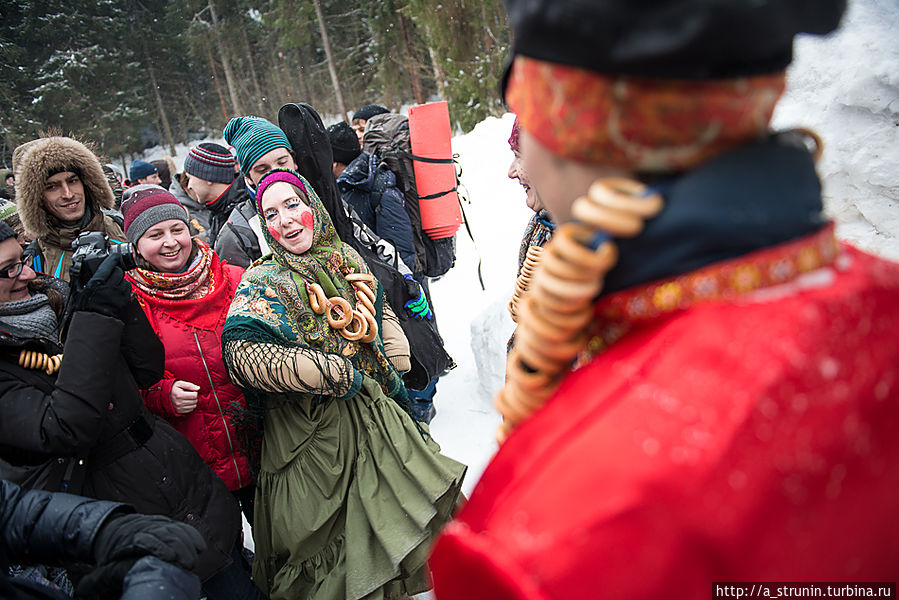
732	415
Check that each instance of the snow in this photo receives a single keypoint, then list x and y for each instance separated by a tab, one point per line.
844	87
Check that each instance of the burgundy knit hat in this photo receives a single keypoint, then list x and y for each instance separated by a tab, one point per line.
146	207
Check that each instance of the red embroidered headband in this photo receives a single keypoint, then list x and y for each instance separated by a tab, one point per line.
637	123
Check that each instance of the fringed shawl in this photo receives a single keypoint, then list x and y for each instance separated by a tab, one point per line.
272	303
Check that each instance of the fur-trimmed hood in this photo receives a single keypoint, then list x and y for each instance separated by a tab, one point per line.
33	160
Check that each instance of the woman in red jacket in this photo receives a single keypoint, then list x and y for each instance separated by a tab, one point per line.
185	291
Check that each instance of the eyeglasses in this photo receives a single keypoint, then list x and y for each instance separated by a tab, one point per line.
15	269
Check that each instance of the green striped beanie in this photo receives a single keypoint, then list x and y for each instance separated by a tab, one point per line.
253	137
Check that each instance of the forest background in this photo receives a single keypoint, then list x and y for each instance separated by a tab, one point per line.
128	74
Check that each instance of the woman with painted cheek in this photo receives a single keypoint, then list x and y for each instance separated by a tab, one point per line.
539	229
349	490
185	291
288	219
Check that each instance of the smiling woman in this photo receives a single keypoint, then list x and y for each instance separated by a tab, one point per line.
350	489
185	291
166	246
15	270
288	219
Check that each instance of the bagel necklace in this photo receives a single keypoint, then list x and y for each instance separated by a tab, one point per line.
555	292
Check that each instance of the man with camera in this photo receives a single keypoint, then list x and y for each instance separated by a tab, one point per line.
72	418
61	192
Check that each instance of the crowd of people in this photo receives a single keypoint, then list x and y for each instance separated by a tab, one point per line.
149	366
700	389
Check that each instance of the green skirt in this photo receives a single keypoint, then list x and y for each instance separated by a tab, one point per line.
349	497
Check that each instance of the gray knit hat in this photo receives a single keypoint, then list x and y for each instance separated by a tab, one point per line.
146	207
210	162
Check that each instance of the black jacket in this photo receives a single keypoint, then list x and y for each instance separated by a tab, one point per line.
45	528
220	209
237	242
41	527
85	429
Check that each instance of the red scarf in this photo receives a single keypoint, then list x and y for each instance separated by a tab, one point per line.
199	297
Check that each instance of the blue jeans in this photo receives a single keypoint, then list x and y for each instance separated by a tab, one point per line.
233	582
423	402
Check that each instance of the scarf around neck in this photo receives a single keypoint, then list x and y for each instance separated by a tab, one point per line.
199	296
272	303
32	315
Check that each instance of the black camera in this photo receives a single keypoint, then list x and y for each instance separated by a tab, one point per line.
91	249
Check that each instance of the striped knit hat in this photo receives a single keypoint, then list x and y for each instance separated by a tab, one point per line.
210	162
148	206
252	137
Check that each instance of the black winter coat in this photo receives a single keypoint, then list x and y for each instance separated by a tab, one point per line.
372	192
237	243
45	528
220	209
85	430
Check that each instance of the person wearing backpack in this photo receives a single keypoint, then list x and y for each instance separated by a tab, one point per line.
370	189
361	117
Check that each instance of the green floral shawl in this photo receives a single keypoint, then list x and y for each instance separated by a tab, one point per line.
272	305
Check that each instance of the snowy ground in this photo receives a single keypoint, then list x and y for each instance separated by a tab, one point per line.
845	87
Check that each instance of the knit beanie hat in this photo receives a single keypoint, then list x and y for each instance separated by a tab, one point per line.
210	162
140	169
146	207
368	111
252	137
344	142
6	232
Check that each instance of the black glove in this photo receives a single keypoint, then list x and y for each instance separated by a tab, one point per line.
105	582
123	539
106	292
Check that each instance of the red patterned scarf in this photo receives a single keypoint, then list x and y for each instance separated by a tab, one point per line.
191	297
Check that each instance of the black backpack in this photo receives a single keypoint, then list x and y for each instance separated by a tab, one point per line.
387	136
305	132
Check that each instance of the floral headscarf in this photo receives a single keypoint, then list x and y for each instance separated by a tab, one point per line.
272	302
